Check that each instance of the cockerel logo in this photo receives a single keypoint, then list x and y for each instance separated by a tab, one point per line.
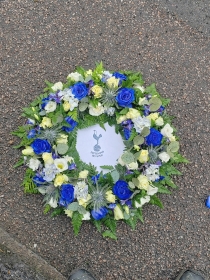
96	147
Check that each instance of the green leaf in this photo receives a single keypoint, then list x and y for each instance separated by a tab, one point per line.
110	223
132	222
62	148
124	111
179	159
138	140
115	175
76	222
97	224
127	157
155	104
73	206
19	163
57	211
47	208
139	215
108	167
145	131
108	233
151	89
83	106
162	189
156	201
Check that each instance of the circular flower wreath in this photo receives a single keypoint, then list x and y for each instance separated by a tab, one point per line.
75	188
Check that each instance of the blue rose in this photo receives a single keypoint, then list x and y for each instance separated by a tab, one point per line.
208	202
154	138
66	195
72	124
79	90
31	133
41	146
121	190
120	76
99	214
38	180
125	97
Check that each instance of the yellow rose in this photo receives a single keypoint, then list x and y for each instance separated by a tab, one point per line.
28	151
172	138
133	113
143	182
84	202
63	139
110	196
152	116
118	214
136	147
47	158
66	106
60	179
69	213
121	119
97	90
46	122
83	174
112	82
143	157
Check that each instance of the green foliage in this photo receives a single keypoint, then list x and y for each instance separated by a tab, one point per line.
28	184
57	211
20	162
108	233
97	224
179	159
46	208
154	200
109	222
74	114
132	221
76	222
108	167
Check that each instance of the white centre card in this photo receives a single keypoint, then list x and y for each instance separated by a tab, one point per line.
98	146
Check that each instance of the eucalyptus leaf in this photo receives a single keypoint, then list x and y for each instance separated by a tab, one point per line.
127	157
170	153
81	209
145	131
174	146
138	140
62	148
135	181
42	113
155	104
83	106
126	216
115	175
136	155
73	206
59	119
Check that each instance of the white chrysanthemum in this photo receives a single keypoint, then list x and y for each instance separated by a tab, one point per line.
140	123
34	163
167	130
152	172
164	156
50	107
61	164
96	111
75	76
81	190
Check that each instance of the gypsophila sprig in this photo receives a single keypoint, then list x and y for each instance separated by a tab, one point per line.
79	190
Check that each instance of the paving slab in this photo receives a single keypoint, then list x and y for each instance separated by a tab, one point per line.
45	40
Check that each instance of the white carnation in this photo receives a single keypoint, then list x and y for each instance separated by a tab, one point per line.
34	164
96	111
76	77
86	216
57	86
53	202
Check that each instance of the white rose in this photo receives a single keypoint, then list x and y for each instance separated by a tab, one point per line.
132	165
167	130
57	86
164	156
76	77
159	121
50	107
34	164
96	111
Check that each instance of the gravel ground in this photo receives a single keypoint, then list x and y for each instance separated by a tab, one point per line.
46	40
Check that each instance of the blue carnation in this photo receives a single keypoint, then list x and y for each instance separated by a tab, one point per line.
38	180
66	195
125	97
154	138
79	90
120	76
121	190
41	146
72	124
100	213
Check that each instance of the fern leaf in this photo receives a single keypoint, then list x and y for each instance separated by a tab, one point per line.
97	224
111	224
76	222
109	234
